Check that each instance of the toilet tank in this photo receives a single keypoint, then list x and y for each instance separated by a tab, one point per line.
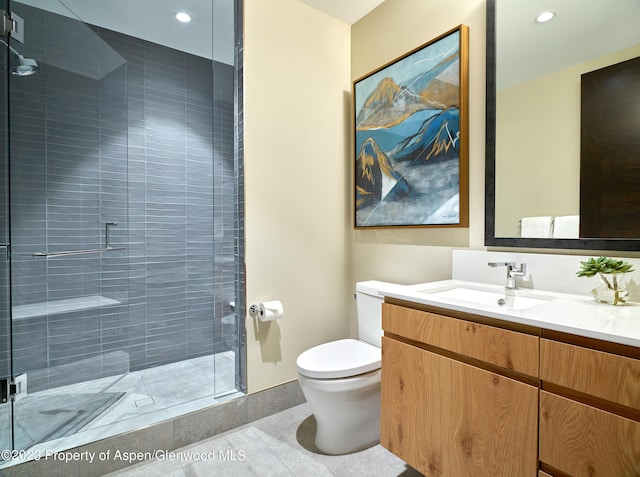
369	310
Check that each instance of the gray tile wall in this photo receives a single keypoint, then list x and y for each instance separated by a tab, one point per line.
68	178
149	146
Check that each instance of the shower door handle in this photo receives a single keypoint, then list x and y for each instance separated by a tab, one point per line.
108	226
107	246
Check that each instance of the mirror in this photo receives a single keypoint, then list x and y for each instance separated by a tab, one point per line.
533	80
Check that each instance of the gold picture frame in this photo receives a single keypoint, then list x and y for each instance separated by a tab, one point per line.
411	138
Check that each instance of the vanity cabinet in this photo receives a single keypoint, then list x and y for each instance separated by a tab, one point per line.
456	399
589	410
466	395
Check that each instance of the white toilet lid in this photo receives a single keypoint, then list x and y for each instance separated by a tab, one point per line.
339	359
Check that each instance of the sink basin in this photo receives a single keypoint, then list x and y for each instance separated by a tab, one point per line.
519	300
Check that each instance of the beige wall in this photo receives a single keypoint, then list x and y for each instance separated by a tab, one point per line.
301	247
538	153
300	244
395	27
296	88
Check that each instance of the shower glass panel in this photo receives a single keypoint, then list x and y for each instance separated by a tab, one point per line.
121	196
5	316
69	224
226	254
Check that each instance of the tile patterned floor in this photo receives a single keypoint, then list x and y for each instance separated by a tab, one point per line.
280	445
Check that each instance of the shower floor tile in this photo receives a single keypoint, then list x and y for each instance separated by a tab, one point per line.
144	397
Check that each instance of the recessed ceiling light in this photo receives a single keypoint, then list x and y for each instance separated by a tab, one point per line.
546	16
183	17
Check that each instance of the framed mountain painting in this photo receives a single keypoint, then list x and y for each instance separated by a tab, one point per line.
411	138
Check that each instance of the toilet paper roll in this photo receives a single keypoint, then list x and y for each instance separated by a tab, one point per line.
270	310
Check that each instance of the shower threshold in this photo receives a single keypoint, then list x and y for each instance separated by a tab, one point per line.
138	399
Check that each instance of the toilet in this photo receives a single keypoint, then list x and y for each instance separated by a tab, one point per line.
341	380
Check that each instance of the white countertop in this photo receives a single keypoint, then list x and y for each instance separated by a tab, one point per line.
575	314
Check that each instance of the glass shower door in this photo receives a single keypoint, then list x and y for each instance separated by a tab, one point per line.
120	263
5	316
68	219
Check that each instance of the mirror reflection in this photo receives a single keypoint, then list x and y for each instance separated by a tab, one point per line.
538	100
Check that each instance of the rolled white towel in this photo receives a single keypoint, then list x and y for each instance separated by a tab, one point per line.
536	227
566	226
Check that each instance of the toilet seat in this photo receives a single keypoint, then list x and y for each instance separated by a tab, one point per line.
339	359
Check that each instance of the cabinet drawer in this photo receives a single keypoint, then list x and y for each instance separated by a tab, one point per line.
445	417
508	349
584	441
604	375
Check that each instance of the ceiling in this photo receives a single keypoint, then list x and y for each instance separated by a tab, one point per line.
347	11
153	20
582	30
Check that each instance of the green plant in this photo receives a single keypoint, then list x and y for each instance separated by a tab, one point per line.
603	266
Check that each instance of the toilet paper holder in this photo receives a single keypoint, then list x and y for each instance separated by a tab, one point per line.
267	311
254	309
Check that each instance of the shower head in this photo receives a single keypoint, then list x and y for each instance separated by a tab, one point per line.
25	66
21	66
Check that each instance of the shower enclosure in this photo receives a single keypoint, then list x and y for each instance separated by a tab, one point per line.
120	226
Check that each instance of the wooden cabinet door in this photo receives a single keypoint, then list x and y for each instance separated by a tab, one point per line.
585	442
449	419
505	348
604	375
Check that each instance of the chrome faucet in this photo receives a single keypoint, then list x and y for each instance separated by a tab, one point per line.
513	271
